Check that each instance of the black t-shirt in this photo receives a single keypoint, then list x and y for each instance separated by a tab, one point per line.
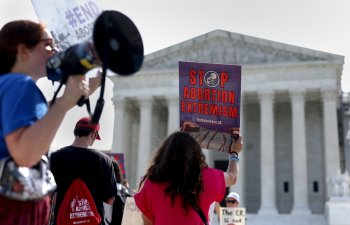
93	167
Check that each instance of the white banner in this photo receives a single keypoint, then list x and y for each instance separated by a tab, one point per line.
70	21
229	216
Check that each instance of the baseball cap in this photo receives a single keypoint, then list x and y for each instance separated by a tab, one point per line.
86	123
233	195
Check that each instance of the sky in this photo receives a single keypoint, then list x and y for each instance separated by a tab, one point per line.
322	25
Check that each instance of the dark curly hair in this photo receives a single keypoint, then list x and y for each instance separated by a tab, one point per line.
179	162
14	33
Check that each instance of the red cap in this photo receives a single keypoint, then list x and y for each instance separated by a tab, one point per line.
85	122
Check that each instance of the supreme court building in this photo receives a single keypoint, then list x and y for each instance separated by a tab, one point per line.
289	102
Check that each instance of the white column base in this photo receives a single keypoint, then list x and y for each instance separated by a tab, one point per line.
267	211
301	211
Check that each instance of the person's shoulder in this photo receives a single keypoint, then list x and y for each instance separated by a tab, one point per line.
60	151
98	152
207	171
16	77
16	82
155	186
101	155
151	189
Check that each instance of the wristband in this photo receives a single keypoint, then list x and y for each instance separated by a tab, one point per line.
234	158
234	153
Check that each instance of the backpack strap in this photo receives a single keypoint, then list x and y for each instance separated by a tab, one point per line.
52	211
202	216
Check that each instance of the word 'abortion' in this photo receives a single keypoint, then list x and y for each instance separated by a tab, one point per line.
208	94
196	77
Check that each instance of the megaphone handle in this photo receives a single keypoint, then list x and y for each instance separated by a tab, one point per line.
55	94
81	101
100	101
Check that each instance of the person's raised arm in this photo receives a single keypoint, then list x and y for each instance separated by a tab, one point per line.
26	145
232	168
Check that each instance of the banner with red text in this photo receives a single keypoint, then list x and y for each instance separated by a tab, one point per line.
70	21
210	103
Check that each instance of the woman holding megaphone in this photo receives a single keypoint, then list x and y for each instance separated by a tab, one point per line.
27	125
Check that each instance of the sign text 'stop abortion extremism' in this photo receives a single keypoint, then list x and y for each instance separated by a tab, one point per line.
210	102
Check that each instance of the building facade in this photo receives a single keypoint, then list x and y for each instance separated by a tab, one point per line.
289	102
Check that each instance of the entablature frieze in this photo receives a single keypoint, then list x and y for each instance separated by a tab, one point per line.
276	76
281	78
247	97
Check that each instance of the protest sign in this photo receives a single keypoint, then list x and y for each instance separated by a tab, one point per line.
210	103
132	215
119	157
70	21
232	216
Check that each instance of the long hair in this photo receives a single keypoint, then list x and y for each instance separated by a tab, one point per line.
117	171
179	162
14	33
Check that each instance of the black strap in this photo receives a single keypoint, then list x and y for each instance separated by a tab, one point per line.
52	211
202	216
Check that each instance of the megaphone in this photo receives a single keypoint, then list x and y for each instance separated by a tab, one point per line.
116	44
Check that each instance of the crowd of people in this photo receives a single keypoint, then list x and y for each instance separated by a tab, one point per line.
178	188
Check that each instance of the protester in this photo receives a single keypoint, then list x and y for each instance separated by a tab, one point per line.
179	186
232	200
120	198
93	167
27	125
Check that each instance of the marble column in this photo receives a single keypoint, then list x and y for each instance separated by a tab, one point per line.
268	195
173	113
300	181
145	130
118	134
330	129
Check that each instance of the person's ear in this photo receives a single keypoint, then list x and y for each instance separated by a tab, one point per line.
94	133
22	52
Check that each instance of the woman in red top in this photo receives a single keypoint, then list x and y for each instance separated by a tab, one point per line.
179	183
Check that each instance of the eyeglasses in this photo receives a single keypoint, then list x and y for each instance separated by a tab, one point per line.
231	201
50	44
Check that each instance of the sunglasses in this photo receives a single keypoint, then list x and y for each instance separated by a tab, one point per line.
231	201
50	44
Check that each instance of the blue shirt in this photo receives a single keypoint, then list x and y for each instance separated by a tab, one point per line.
21	104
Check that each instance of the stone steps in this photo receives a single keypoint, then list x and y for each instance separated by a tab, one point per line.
283	219
286	219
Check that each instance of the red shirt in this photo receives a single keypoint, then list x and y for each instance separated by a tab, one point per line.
157	207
